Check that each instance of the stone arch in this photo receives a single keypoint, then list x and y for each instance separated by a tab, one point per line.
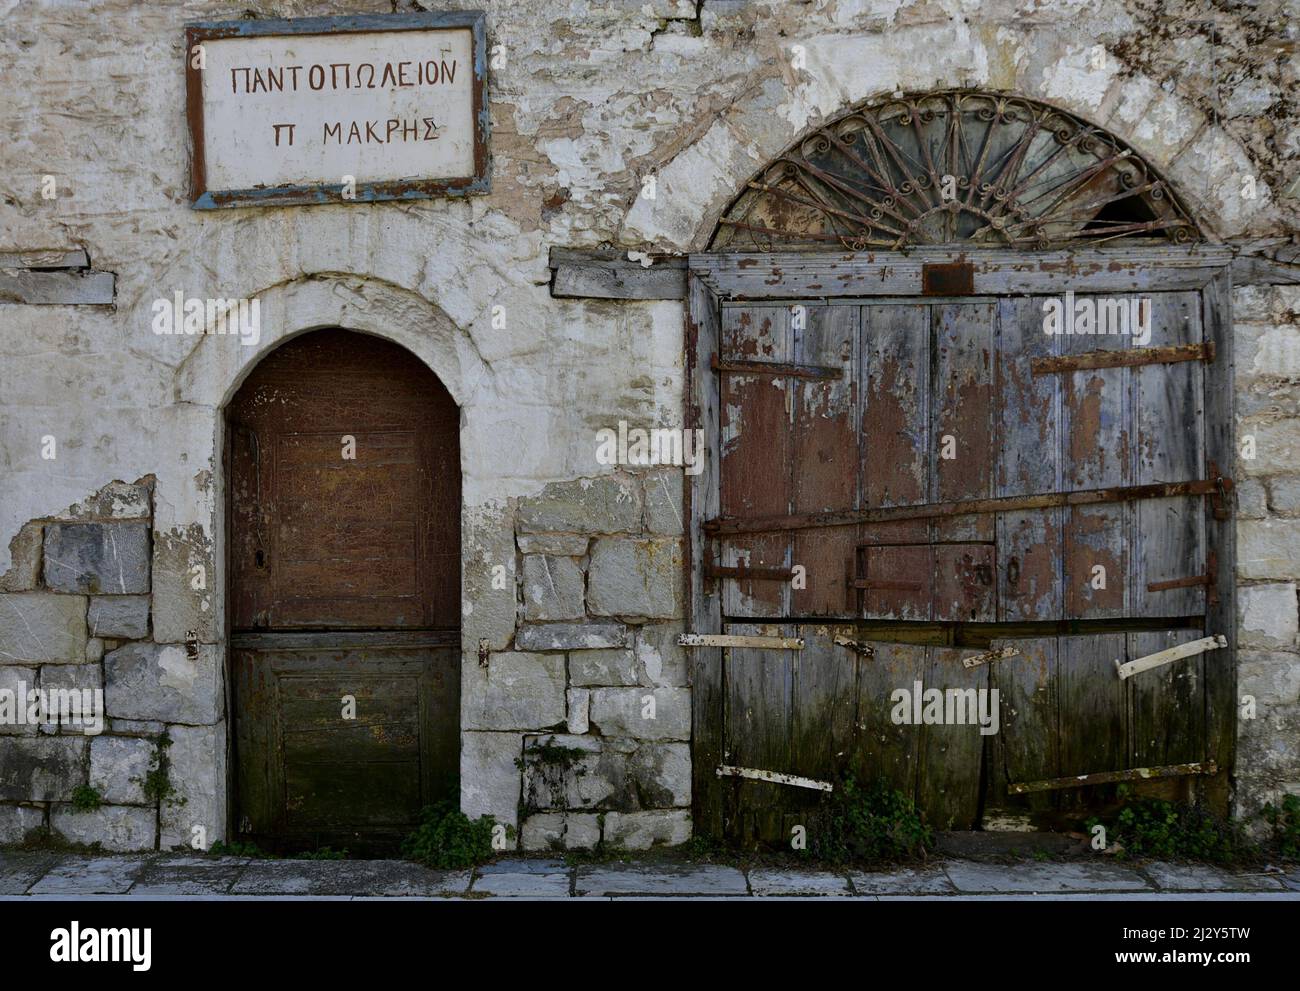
1200	160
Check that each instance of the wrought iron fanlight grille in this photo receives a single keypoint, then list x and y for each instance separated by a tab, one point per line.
954	166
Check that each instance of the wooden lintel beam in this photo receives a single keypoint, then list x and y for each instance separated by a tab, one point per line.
608	274
1127	358
723	526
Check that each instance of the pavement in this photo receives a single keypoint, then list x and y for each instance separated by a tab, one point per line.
26	875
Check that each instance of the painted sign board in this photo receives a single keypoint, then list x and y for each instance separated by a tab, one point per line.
337	109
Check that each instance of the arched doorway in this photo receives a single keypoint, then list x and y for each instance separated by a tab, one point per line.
949	542
343	505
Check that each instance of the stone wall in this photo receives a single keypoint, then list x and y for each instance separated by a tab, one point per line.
75	612
1268	550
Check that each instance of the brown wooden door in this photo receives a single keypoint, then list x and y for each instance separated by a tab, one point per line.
344	510
882	471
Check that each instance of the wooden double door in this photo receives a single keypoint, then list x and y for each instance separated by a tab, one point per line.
344	549
907	484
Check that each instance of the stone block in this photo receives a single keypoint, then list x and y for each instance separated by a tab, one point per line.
197	775
1277	446
24	572
42	628
579	700
41	768
643	830
116	828
75	699
118	766
640	578
1273	677
663	661
555	544
162	682
571	636
19	822
123	616
1252	499
624	712
97	558
603	667
179	609
662	774
15	683
489	611
1284	494
607	504
663	501
561	831
1268	615
489	777
1268	549
517	691
553	588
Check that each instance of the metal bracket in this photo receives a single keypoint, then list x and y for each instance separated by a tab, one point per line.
728	640
1177	653
975	660
775	777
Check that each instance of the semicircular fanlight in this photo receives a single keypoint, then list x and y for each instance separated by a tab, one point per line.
983	169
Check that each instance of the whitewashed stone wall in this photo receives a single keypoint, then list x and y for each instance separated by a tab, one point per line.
593	98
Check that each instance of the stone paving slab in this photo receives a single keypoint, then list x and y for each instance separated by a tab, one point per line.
348	877
19	871
1042	878
1201	877
78	876
669	879
786	884
169	877
928	880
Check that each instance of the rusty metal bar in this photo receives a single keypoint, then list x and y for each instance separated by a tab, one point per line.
862	648
742	572
1000	653
1180	583
775	777
1048	500
1123	359
1110	777
739	367
886	583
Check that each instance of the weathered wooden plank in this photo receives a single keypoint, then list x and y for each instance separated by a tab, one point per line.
1221	541
1091	708
1114	777
895	462
1168	434
732	640
1145	658
56	288
756	454
1133	357
884	750
965	590
1027	746
760	695
702	494
793	274
824	459
1096	453
612	275
948	790
1166	703
825	702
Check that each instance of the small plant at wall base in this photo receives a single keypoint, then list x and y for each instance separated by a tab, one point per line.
876	823
157	783
447	838
1168	831
86	799
237	848
1286	825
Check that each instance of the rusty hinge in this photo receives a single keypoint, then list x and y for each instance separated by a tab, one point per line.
948	279
1209	579
738	640
1000	653
739	367
775	777
1170	654
1126	358
1219	495
865	649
